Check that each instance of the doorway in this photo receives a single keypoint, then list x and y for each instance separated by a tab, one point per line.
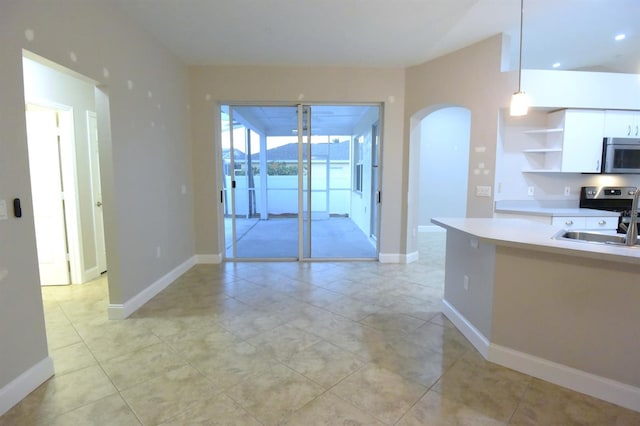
443	175
62	140
300	182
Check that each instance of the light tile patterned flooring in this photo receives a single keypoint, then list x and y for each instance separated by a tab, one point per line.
286	343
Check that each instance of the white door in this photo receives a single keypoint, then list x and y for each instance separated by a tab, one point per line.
98	220
46	188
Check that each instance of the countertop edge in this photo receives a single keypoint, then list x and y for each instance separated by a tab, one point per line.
521	233
557	212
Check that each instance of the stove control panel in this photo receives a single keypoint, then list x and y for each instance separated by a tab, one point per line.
607	192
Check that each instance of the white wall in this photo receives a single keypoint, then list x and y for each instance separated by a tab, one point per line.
444	164
145	160
361	202
577	89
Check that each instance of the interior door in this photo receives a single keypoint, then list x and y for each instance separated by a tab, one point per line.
96	190
47	194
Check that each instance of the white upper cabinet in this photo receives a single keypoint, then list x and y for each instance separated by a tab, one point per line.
622	124
573	142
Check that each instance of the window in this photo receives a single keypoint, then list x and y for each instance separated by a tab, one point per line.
358	168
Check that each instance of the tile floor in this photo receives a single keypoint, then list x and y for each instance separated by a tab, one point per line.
286	343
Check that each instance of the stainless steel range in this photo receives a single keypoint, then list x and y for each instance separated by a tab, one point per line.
610	198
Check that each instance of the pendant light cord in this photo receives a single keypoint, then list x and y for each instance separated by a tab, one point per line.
520	51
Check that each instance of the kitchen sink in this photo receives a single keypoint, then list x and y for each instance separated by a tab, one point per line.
592	237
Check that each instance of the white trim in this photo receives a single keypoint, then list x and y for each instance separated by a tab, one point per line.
123	310
389	258
412	257
477	339
24	384
397	257
431	228
209	259
581	381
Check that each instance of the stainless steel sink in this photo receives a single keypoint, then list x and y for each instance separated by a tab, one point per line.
592	237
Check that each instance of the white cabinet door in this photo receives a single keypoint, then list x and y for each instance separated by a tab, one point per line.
566	222
622	124
582	141
604	223
585	222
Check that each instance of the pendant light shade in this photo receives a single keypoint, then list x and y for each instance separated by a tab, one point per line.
519	100
519	104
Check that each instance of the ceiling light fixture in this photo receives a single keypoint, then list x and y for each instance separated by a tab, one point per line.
519	100
620	37
556	65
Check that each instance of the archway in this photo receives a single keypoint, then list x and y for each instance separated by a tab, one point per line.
438	167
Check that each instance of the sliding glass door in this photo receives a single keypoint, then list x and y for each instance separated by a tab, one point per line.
300	182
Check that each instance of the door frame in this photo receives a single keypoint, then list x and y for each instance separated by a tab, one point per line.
223	196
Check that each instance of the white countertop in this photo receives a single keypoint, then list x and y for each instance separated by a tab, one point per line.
549	208
537	236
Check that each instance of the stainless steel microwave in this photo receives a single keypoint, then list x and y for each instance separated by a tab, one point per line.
621	155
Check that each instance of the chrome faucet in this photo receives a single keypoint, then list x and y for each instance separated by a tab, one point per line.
632	230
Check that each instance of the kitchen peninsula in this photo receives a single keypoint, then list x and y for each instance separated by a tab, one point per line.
564	311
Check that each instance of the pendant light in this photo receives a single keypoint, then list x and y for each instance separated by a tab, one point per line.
519	100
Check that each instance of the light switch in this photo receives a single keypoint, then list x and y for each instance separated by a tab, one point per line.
3	209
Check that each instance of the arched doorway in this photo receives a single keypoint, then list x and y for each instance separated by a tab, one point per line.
438	167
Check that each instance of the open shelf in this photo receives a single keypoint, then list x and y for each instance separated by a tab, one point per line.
543	131
543	171
542	150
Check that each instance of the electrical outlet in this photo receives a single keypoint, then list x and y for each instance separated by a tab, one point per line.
483	191
530	191
567	191
466	283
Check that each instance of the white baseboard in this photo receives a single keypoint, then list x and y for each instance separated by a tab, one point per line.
122	311
580	381
473	335
209	259
412	257
389	258
431	228
397	257
24	384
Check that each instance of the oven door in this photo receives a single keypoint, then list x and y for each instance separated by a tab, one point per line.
622	159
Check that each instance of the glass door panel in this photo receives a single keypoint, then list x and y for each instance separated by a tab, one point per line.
375	179
263	183
340	183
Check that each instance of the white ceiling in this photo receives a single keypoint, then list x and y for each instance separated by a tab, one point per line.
326	120
390	33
